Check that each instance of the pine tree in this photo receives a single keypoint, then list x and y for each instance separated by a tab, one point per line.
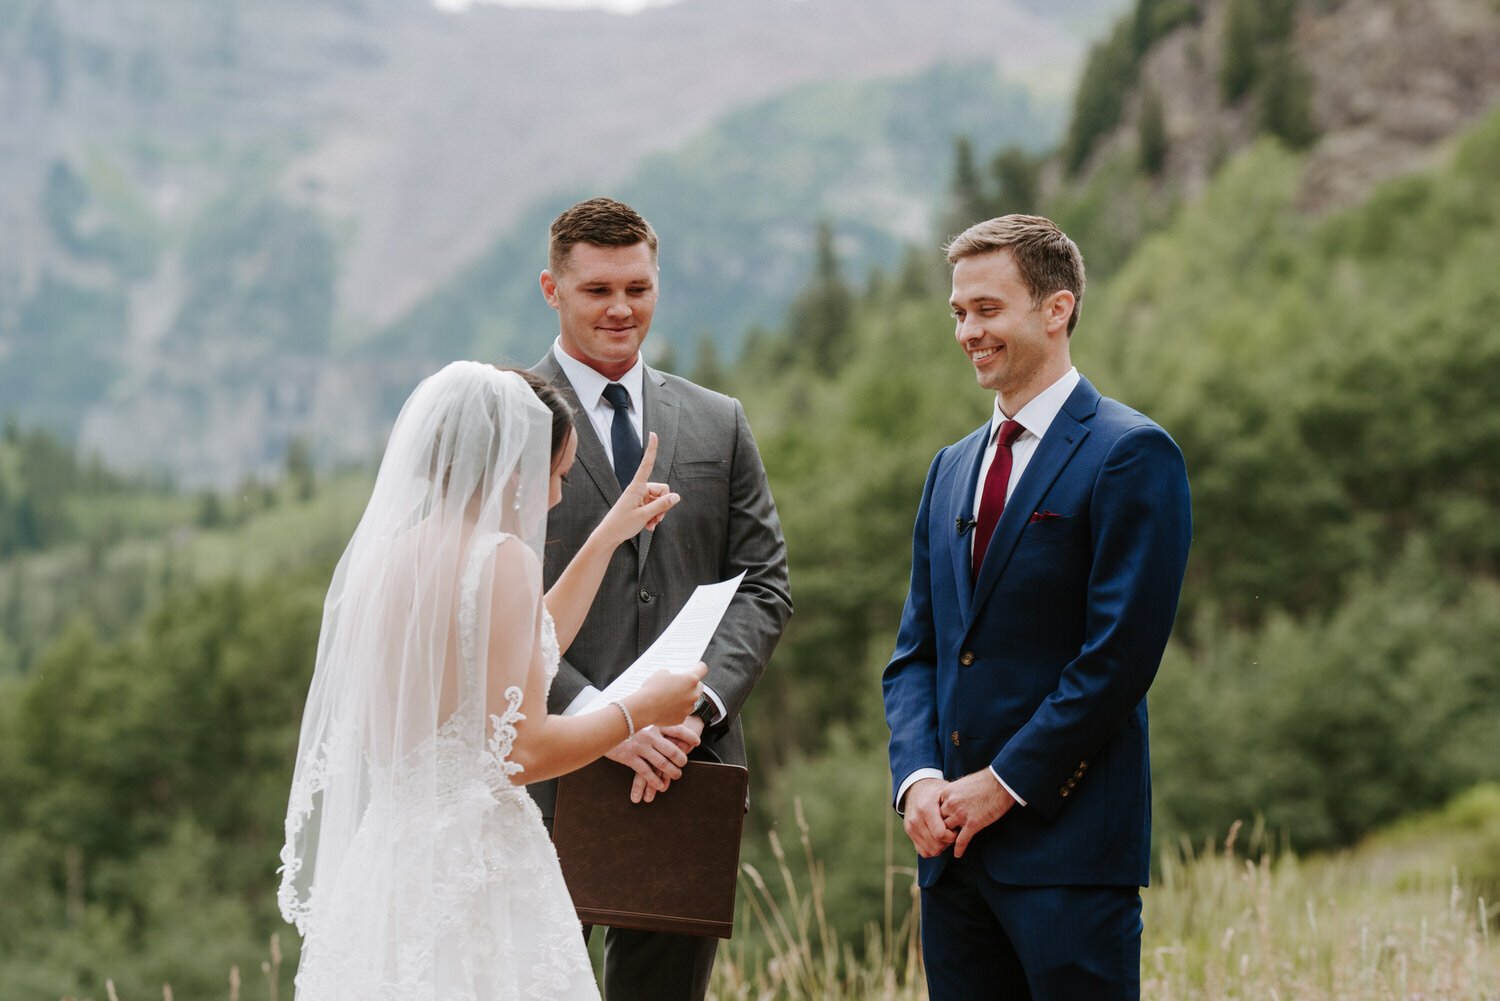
708	369
1240	69
299	468
966	201
1286	99
820	316
1017	173
1151	131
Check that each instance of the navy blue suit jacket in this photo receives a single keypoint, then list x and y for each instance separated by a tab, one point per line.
1040	667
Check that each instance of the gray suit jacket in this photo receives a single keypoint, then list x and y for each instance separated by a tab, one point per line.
725	522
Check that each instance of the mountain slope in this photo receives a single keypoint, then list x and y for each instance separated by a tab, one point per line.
207	206
737	207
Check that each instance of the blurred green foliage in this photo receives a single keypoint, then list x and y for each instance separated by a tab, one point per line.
142	786
1334	666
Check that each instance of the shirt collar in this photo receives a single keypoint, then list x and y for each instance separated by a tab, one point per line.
589	384
1037	416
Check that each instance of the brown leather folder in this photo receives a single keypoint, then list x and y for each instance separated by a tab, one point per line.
669	865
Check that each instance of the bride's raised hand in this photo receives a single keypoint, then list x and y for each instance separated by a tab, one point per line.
667	697
642	503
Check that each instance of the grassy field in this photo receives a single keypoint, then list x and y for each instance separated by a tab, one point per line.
1394	919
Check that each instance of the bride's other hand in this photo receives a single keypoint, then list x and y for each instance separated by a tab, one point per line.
668	697
642	504
665	700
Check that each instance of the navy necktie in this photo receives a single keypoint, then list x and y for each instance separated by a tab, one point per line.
623	440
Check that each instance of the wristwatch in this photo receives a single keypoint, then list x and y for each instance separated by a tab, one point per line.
705	710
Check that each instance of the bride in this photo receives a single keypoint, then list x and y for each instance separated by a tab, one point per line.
416	867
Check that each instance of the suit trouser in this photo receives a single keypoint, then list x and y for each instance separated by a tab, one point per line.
987	940
654	966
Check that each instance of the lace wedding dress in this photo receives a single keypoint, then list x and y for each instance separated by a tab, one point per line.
415	867
491	920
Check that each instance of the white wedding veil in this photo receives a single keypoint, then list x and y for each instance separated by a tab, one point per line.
420	668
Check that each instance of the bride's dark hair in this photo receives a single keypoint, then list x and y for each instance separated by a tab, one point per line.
562	414
562	422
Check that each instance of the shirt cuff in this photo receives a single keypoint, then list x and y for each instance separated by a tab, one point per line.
713	697
1007	788
580	700
911	780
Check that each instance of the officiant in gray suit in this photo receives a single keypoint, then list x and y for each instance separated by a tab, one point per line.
601	278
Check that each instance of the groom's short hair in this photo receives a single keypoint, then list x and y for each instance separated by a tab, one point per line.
603	222
1048	261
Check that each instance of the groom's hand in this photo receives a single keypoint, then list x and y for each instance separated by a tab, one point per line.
924	820
972	803
686	735
656	758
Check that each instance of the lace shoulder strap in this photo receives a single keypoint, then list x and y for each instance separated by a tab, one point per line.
480	553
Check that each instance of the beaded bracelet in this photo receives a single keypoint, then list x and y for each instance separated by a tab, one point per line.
629	722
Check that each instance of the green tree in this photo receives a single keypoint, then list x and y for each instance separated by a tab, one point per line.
1151	133
1240	67
1286	99
1099	102
708	368
300	471
966	199
1017	177
210	509
820	316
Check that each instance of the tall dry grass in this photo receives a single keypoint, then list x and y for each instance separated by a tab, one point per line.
1219	926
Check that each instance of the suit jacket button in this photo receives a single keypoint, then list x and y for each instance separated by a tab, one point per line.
1063	792
1078	774
646	596
955	738
966	658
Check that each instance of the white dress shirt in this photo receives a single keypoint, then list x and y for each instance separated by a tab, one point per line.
589	385
1035	418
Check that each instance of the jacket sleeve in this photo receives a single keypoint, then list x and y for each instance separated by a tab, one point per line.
910	679
759	612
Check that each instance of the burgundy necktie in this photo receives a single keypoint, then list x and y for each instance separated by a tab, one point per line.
992	501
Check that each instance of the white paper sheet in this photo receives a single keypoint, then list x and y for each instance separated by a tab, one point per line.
680	646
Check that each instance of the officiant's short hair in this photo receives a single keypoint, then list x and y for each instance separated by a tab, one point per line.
603	222
1048	261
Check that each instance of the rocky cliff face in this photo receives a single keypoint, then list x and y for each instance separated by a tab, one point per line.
1390	80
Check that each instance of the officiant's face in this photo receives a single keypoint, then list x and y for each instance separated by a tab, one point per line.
604	297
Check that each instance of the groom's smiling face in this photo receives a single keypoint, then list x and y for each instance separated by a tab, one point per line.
604	297
1017	345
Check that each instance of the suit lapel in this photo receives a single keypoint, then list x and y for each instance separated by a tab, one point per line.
969	455
661	416
591	455
1057	446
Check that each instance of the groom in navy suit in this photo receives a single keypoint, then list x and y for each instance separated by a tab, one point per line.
1047	560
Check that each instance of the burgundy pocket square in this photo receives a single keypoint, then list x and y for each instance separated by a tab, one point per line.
1037	516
